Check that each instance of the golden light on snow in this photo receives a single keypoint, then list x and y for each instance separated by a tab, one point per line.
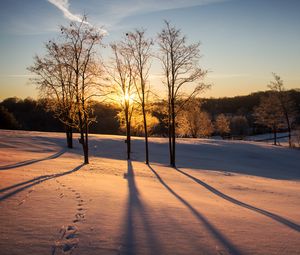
206	203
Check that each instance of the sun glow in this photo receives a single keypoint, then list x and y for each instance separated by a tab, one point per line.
128	98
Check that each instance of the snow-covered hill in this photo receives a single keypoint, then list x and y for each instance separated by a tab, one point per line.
225	197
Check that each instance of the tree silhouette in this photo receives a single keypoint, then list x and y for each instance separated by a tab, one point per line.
139	47
222	125
180	66
285	102
69	75
121	77
193	122
269	114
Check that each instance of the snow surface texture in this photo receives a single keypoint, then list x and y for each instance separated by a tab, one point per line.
225	197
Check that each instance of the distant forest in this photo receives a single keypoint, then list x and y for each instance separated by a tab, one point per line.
32	115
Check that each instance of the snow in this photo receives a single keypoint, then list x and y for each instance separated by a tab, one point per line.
225	197
282	138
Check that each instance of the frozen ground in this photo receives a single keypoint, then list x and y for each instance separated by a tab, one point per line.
226	197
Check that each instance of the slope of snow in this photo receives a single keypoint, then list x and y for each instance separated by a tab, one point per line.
282	138
225	197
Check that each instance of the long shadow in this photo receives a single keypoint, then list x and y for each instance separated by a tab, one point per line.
135	207
249	158
221	238
32	161
37	181
22	183
273	216
237	157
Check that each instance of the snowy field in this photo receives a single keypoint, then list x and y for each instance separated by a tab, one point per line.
225	197
282	138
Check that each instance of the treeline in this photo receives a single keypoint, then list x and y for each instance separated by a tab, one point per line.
242	105
245	106
34	115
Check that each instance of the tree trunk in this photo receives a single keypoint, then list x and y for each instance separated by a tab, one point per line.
289	130
128	142
69	136
170	144
83	135
173	164
286	115
290	138
170	135
146	135
86	144
275	136
83	141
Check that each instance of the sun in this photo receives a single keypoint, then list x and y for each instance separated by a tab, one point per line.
128	98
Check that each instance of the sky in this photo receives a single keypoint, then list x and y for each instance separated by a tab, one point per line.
242	41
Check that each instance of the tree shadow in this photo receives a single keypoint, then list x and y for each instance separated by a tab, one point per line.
236	157
136	210
202	219
34	182
273	216
25	182
240	157
32	161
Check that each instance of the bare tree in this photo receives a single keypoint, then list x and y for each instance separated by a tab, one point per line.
193	122
284	101
80	41
180	66
122	81
269	114
54	81
296	137
239	126
68	76
139	47
206	126
222	124
137	122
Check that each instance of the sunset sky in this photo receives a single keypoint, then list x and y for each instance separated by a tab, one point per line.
242	42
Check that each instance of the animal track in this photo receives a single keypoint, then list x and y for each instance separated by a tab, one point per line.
26	196
67	242
79	216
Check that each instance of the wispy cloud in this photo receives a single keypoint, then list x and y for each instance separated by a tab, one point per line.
227	75
115	11
64	6
111	13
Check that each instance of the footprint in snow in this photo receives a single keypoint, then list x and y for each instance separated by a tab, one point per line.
67	242
25	198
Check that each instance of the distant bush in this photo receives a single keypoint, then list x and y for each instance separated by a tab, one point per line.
7	119
239	126
106	119
222	125
32	114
